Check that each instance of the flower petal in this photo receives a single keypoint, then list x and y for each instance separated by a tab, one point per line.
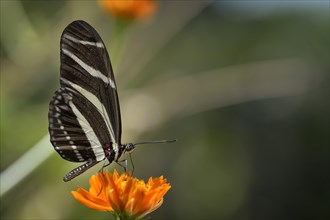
90	200
95	185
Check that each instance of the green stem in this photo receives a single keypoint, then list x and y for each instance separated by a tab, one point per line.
125	216
118	42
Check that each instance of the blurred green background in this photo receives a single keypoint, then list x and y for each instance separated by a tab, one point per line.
242	85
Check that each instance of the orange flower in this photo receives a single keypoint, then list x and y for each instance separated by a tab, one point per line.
123	195
129	9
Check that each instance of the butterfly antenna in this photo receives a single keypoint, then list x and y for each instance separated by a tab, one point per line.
156	142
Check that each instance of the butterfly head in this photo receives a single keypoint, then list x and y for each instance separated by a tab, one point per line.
128	148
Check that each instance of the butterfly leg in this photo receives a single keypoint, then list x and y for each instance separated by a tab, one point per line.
101	170
119	162
126	164
130	157
104	165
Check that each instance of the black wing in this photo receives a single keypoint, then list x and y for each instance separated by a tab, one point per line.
84	114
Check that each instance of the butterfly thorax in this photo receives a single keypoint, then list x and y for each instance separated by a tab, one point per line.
113	152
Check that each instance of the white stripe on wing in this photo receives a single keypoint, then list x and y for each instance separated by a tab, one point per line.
97	103
96	44
90	69
92	138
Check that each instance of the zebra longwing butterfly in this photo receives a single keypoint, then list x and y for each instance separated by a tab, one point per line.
84	113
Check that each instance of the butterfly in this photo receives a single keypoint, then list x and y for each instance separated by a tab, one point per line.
84	113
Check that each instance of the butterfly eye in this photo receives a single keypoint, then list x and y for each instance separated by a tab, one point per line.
129	148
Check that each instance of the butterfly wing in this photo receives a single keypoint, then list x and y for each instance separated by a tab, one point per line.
84	114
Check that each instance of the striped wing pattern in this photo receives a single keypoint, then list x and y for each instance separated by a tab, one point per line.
84	114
